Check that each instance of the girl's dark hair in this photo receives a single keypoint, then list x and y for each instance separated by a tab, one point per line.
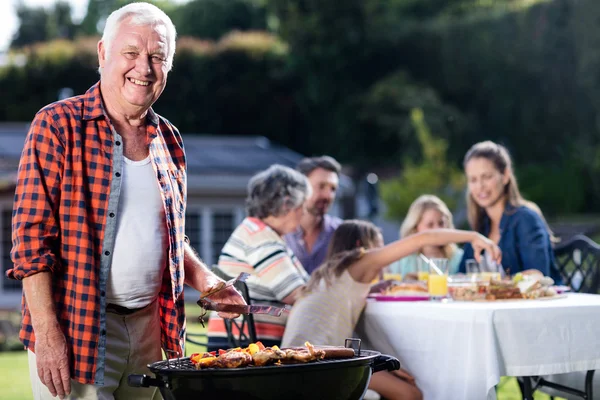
347	245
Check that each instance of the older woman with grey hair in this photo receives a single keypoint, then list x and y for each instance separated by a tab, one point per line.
274	206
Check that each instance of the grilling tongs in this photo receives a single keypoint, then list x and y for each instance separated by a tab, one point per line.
209	305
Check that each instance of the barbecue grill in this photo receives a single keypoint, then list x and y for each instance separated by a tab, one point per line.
329	379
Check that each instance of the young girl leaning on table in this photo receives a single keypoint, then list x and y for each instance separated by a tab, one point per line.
337	291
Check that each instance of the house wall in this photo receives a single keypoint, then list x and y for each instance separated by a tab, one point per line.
210	220
10	290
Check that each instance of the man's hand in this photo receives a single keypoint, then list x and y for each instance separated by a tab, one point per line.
51	351
229	295
201	278
52	356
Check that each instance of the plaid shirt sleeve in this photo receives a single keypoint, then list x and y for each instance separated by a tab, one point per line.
34	225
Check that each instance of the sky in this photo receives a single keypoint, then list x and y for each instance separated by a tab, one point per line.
9	22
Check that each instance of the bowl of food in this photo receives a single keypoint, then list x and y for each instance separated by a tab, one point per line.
467	289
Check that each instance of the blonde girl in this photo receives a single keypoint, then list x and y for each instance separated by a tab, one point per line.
425	213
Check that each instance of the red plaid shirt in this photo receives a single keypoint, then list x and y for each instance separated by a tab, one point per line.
68	184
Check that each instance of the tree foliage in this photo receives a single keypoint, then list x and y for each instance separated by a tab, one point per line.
323	76
39	25
212	19
434	174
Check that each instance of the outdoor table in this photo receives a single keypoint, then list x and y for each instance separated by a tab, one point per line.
459	350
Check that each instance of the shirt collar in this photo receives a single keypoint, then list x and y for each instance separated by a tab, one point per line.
92	103
93	108
508	211
325	224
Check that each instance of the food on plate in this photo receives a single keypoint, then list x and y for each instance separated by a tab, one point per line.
256	354
521	286
467	291
534	288
518	277
503	290
407	289
532	273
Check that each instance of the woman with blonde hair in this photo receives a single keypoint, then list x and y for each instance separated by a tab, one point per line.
497	210
335	295
427	212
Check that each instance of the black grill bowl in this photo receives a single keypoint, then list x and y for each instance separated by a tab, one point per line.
345	379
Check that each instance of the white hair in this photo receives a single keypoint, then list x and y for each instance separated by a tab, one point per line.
141	14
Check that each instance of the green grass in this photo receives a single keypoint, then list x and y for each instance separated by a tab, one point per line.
15	385
14	376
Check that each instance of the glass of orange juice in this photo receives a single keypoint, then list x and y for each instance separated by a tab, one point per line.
422	270
438	278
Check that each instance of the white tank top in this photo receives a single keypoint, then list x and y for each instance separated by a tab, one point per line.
141	242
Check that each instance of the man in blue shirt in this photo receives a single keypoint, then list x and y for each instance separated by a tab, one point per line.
310	241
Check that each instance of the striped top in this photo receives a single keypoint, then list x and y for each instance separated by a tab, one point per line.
275	273
327	316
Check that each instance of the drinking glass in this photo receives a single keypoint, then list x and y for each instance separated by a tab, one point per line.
490	270
438	278
422	270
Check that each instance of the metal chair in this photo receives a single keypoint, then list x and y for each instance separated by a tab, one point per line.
240	332
578	261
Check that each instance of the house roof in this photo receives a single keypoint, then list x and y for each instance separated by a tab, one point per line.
215	163
235	154
206	153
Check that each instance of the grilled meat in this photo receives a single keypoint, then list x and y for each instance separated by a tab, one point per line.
234	359
303	355
267	356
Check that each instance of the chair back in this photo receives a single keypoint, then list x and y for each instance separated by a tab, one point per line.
578	261
240	331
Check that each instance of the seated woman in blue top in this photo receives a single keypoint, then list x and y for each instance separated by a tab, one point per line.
425	213
497	210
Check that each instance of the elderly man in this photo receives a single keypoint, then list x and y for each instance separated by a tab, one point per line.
310	241
98	226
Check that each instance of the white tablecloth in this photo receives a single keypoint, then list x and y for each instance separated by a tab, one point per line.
459	350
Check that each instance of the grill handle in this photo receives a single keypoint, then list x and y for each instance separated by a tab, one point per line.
144	381
385	363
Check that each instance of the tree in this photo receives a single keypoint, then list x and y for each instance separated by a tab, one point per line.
211	19
36	24
433	175
386	112
99	10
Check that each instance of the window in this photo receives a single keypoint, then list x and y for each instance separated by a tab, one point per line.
222	227
193	229
5	236
209	229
